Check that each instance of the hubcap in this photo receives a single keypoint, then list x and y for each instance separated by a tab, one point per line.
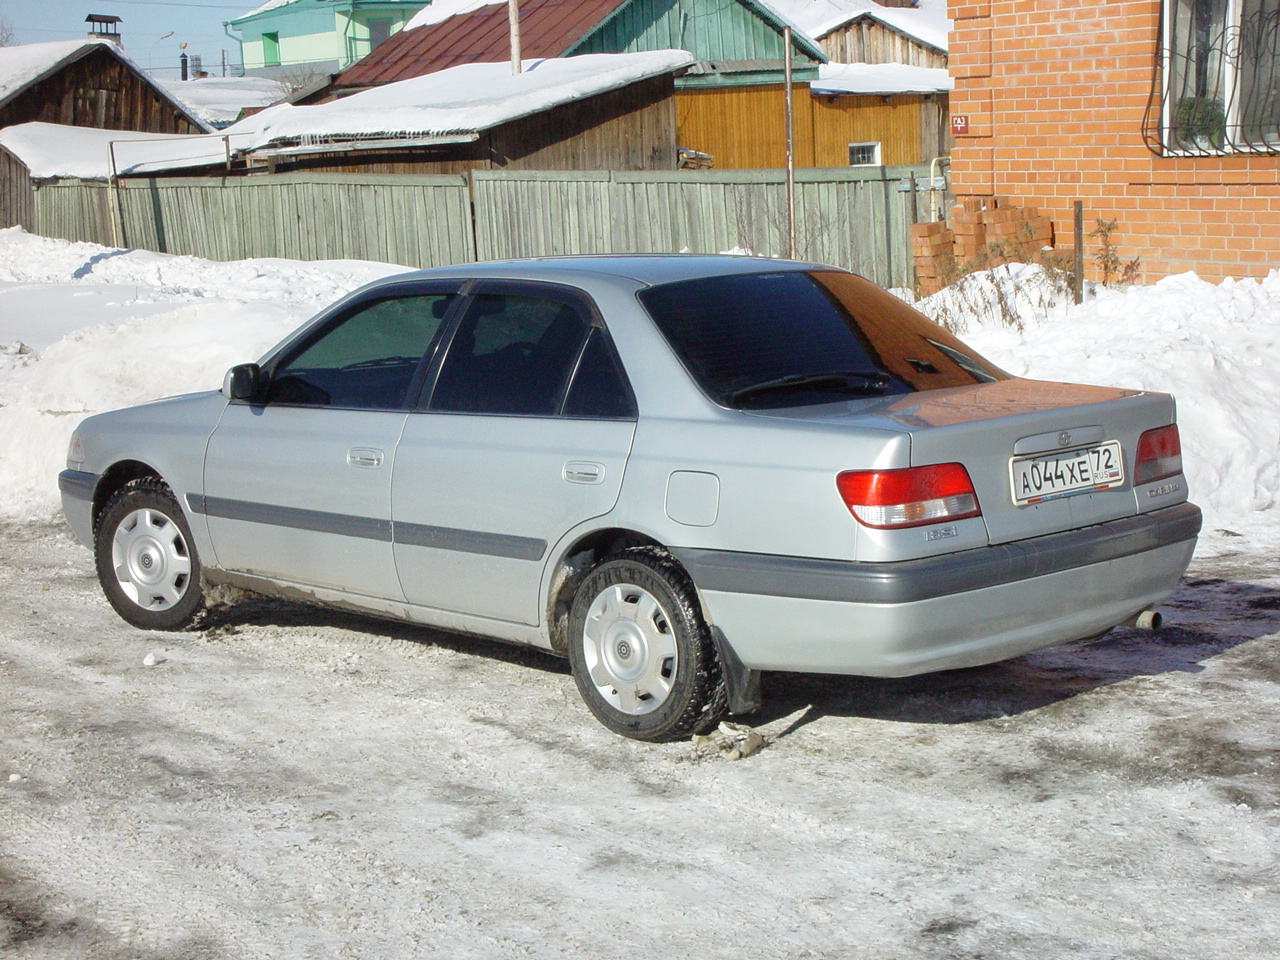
151	561
630	649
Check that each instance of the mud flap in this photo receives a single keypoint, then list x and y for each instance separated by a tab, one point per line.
742	683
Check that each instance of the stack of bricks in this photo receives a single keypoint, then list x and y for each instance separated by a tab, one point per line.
931	245
985	232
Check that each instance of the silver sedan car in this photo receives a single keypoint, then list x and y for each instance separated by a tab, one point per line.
676	471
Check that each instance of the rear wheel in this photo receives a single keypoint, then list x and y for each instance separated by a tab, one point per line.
146	560
641	653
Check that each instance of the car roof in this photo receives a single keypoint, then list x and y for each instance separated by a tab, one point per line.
646	269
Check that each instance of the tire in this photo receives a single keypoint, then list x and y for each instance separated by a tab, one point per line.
146	558
641	653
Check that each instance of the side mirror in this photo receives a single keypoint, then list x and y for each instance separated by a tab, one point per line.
244	382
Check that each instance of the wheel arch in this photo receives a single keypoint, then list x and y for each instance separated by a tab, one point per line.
115	477
573	563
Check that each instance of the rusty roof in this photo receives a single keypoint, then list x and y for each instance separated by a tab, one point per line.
547	29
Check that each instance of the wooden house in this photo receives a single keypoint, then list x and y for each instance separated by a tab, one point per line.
87	83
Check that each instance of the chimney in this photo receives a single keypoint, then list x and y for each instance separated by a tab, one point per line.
103	26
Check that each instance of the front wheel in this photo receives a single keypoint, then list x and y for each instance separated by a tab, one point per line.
146	560
641	653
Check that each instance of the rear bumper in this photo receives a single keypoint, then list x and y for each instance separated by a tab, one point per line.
938	613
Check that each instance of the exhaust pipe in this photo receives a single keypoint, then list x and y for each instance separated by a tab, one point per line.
1146	620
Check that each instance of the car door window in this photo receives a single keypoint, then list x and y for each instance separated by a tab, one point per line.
600	390
512	354
367	360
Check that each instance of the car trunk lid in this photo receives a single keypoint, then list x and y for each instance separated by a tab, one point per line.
998	430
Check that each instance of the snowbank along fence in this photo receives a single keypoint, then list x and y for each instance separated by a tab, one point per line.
856	218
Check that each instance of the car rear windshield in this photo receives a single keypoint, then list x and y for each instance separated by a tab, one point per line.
791	338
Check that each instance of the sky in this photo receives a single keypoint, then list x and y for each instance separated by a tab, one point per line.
198	23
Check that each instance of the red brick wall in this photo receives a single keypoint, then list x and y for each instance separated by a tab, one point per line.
1055	93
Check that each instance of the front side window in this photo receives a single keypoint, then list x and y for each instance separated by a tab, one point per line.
793	338
366	360
1220	78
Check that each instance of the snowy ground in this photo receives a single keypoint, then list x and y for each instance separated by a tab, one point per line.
287	782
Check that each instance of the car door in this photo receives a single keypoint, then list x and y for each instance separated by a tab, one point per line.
522	434
298	484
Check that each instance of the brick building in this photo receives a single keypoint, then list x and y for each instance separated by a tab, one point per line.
1163	115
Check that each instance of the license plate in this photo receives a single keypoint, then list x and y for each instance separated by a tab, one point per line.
1063	474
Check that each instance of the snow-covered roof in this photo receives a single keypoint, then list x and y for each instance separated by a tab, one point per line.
928	22
219	100
269	5
456	104
880	78
53	150
29	63
440	10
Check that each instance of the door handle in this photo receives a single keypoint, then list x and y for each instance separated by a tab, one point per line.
366	457
584	471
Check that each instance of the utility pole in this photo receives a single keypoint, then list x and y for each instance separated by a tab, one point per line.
791	152
513	16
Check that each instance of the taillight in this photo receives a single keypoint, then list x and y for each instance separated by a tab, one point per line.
1159	455
911	497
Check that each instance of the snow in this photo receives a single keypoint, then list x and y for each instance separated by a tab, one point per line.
219	100
464	99
872	78
269	5
103	328
928	22
54	150
440	10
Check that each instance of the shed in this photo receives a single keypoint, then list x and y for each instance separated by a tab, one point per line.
87	83
593	112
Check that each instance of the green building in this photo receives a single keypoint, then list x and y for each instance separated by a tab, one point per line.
301	40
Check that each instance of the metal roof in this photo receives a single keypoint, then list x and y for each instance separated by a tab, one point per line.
547	29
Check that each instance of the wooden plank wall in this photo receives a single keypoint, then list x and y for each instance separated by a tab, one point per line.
17	196
856	217
865	41
743	128
98	90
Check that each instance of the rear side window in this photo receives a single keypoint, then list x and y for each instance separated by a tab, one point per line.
512	354
791	338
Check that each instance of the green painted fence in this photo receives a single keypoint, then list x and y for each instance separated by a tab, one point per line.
856	218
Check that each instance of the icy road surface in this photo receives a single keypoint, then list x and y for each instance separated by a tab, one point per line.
295	783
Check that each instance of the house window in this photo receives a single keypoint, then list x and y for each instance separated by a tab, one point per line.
1221	77
864	154
271	49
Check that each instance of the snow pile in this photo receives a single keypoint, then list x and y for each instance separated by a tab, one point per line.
86	328
1214	347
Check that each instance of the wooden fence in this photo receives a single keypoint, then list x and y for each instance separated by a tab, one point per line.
856	218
